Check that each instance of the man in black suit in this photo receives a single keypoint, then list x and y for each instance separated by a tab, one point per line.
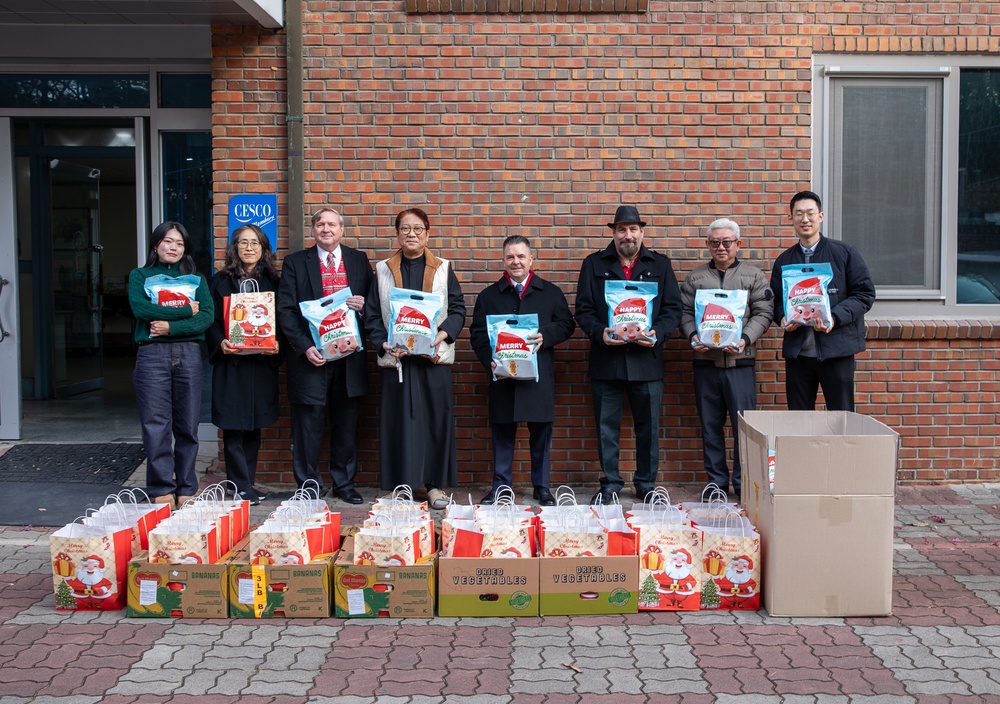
315	386
618	367
520	291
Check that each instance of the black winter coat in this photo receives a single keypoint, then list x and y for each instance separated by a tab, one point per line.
630	362
244	386
301	280
523	401
851	291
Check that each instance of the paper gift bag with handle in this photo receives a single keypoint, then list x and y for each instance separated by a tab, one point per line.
90	566
670	558
142	515
731	565
387	546
248	317
460	538
193	541
572	535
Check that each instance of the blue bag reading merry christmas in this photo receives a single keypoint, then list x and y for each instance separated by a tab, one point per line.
719	316
630	309
513	356
333	325
805	287
172	291
414	320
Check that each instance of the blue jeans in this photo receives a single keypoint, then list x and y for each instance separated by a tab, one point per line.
644	400
168	380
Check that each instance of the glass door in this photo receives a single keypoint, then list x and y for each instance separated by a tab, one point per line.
76	276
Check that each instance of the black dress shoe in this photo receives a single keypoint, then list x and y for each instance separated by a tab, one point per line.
489	499
603	496
641	492
543	496
350	496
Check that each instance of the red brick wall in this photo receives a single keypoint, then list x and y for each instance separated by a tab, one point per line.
542	125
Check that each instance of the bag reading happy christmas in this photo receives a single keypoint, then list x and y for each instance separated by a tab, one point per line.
630	308
805	287
248	317
513	356
334	326
172	291
719	316
413	315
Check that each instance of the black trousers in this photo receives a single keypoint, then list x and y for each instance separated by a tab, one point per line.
539	442
308	424
721	394
805	375
240	448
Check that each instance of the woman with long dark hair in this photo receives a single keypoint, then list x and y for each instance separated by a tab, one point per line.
244	386
170	327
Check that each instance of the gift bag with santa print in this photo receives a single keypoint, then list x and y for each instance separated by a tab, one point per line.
805	289
386	546
460	537
719	314
731	565
284	540
572	535
142	516
630	309
670	561
333	324
513	357
90	566
185	541
172	291
414	321
249	319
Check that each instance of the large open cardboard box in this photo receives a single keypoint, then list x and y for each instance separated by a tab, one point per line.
827	529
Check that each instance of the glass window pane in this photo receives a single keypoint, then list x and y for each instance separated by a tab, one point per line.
75	135
185	90
103	90
887	177
187	189
979	187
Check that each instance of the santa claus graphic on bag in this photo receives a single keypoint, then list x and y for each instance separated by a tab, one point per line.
90	582
676	575
256	325
737	581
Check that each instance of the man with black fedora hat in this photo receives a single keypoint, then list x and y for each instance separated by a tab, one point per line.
627	367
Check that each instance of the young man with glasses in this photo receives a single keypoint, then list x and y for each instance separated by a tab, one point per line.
316	387
725	381
821	356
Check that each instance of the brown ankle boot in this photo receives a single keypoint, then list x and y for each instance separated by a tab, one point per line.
167	499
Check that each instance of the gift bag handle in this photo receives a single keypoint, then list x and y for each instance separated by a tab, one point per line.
253	286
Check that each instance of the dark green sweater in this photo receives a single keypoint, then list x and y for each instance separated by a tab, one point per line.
184	327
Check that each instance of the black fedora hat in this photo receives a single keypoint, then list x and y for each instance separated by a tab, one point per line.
626	213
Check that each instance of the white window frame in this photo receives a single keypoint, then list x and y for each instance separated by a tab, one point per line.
898	303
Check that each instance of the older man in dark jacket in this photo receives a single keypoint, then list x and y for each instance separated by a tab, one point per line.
520	291
317	387
619	367
819	355
725	380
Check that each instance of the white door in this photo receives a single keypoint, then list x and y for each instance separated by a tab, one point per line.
10	343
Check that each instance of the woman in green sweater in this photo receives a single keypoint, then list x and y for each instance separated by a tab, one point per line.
172	308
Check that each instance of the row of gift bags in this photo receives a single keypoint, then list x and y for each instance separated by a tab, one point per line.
300	530
398	531
90	556
700	555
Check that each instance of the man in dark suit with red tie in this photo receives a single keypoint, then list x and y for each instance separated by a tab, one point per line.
520	291
317	387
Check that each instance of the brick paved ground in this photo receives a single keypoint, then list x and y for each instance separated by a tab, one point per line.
942	643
